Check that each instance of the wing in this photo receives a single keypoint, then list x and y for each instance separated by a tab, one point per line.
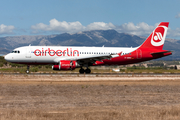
88	59
94	58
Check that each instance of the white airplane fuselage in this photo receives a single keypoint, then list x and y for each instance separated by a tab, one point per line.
53	54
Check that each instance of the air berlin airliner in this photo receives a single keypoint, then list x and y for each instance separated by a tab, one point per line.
69	58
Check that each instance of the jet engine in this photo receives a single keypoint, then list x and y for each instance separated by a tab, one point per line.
65	65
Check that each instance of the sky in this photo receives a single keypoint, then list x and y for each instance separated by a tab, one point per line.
47	17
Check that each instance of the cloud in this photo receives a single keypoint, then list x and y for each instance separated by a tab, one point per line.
73	27
139	29
173	33
58	26
177	16
6	29
70	27
100	26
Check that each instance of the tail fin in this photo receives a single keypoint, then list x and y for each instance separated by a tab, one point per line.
157	38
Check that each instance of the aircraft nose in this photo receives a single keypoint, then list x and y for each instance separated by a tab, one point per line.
7	57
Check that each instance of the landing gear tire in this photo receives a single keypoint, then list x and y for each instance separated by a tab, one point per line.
81	71
88	71
27	71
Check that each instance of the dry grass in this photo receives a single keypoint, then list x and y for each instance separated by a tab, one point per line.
55	98
103	113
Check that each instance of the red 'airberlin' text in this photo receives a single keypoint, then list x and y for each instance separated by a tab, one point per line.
51	52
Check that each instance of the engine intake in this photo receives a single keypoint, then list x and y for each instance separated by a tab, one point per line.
65	65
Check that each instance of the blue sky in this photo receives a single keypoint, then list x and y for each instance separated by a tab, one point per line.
46	17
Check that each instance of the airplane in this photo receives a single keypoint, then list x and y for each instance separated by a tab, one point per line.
69	57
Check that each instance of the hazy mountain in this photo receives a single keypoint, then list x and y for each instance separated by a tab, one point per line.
108	38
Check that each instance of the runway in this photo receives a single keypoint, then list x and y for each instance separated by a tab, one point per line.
95	77
92	74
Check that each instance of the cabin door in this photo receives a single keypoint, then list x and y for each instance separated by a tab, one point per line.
28	52
139	53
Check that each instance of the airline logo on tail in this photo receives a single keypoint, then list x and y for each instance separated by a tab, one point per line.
158	36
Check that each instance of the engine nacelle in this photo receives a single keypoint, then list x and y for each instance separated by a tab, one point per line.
65	65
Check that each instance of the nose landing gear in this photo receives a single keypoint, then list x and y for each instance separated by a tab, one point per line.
27	71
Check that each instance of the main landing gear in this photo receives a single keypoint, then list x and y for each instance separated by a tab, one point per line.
82	71
27	71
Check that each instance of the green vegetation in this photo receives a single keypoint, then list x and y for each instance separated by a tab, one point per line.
151	70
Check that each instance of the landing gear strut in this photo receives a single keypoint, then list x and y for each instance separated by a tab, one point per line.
82	71
71	65
27	71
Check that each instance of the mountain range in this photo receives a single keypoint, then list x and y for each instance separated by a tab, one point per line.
107	38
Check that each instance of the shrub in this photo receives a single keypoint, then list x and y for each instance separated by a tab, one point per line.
34	69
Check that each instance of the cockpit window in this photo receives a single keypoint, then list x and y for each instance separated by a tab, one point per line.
15	51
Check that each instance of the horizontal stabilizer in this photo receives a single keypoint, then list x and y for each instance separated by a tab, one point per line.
161	52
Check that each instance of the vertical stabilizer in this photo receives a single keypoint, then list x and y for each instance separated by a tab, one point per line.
157	38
